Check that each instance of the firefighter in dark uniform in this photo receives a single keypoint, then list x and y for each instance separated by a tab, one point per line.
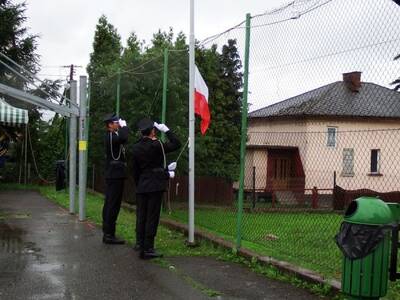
151	176
115	174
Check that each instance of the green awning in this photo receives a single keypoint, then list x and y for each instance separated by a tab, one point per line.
10	115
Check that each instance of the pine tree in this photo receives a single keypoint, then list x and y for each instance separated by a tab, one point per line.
19	45
102	70
217	153
16	42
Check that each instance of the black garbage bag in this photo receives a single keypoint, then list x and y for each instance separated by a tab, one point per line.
60	175
357	241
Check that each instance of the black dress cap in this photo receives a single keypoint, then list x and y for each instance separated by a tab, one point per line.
110	118
145	124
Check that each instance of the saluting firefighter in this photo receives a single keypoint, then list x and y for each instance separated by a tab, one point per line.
115	174
151	177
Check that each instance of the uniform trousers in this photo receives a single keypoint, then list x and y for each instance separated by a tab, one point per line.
148	208
112	204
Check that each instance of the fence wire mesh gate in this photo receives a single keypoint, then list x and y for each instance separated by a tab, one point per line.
323	129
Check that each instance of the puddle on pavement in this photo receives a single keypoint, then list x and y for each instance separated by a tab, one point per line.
13	251
9	216
11	241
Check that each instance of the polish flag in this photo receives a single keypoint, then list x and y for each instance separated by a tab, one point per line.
201	101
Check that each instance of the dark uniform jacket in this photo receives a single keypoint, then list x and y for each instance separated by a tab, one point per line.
115	160
148	163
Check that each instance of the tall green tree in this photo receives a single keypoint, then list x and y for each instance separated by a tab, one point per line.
102	70
46	143
217	153
141	69
16	42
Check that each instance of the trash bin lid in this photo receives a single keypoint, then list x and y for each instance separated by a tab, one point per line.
369	211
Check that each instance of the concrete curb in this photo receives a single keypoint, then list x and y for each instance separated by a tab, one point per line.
285	267
302	273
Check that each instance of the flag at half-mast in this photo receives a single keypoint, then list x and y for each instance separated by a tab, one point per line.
201	101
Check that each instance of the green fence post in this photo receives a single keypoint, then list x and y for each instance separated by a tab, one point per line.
243	134
165	87
118	92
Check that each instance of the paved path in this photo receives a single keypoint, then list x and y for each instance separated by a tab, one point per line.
45	253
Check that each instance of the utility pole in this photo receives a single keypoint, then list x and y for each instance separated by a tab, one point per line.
72	70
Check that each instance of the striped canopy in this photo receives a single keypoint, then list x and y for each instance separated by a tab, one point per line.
10	115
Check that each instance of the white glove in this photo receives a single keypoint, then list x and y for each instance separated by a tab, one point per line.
122	123
172	166
171	174
161	127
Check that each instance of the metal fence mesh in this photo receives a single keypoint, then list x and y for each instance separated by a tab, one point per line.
324	127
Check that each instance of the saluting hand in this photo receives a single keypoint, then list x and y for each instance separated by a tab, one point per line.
122	123
172	166
161	127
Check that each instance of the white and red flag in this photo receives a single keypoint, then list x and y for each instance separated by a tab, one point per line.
201	101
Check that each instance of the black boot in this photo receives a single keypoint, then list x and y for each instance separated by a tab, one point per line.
111	239
137	247
150	254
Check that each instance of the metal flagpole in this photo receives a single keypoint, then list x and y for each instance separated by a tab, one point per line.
191	126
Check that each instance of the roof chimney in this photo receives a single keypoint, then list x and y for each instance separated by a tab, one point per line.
352	81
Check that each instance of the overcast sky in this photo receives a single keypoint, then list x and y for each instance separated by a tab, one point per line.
66	27
286	59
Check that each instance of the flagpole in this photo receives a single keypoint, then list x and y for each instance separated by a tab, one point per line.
191	127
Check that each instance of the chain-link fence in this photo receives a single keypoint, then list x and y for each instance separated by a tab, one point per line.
323	129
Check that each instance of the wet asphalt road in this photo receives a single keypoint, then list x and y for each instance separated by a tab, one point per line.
45	253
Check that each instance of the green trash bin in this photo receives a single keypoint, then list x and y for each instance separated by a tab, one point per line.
365	241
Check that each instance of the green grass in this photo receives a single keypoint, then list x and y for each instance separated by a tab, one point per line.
304	239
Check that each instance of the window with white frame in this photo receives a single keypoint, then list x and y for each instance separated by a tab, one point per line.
375	160
331	137
348	162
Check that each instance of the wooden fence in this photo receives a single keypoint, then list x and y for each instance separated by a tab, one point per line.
342	197
208	190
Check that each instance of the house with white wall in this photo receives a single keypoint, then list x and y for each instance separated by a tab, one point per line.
345	133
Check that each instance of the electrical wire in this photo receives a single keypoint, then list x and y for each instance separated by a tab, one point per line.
212	38
131	71
291	18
